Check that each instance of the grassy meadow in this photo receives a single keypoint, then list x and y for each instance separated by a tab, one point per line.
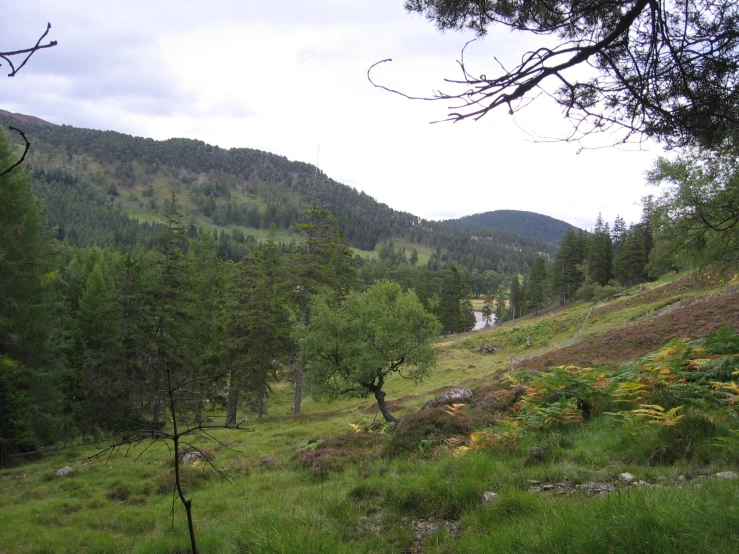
551	444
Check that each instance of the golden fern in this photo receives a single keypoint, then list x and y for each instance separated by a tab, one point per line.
657	415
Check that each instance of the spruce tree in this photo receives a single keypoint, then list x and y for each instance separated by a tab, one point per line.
537	285
255	331
600	260
323	260
515	302
30	401
566	273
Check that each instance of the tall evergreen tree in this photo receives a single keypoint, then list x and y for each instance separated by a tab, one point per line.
600	260
256	334
515	298
631	261
323	260
537	285
618	234
566	273
455	312
31	365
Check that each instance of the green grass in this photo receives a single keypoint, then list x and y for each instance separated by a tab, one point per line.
424	252
374	504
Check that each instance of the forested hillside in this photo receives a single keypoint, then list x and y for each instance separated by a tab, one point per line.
235	191
526	224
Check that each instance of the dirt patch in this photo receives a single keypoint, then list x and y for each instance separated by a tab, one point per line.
620	345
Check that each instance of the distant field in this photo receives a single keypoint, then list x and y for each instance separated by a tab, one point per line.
424	252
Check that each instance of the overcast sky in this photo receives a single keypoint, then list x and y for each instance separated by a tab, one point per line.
286	76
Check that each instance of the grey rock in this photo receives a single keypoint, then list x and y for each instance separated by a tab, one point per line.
188	457
488	497
626	477
726	475
661	478
61	472
448	396
640	484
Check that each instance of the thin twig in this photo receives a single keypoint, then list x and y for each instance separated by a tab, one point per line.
23	157
30	51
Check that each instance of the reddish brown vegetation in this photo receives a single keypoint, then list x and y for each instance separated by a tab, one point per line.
620	345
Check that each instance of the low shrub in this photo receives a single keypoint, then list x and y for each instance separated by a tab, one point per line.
430	427
325	460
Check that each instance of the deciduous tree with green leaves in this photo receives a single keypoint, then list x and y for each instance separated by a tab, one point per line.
352	347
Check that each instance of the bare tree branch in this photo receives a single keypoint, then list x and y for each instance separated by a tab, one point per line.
662	69
28	51
23	157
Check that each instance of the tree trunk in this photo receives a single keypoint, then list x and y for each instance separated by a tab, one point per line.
261	396
157	412
299	372
232	406
380	396
187	503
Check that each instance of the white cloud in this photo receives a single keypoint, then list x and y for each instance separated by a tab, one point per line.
287	76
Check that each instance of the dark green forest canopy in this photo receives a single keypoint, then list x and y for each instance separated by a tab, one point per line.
88	181
365	220
530	225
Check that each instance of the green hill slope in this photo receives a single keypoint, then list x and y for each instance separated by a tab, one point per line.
544	461
236	190
526	224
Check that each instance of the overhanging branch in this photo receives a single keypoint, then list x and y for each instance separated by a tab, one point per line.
27	51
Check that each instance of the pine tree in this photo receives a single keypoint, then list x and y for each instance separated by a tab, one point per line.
255	334
29	390
515	301
487	309
600	260
537	285
618	234
451	312
500	306
566	273
421	286
323	260
630	263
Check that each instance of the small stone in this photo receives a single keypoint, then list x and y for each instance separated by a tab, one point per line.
448	396
626	477
534	482
661	478
681	477
726	475
488	497
640	483
188	457
61	472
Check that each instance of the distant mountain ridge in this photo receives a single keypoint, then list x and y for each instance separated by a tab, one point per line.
27	118
105	177
530	225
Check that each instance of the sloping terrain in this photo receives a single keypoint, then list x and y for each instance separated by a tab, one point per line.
527	224
683	318
238	190
562	460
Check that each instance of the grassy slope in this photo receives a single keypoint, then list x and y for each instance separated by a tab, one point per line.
352	500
